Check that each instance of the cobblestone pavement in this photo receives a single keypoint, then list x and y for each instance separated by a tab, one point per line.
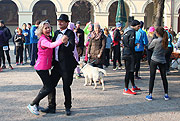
18	88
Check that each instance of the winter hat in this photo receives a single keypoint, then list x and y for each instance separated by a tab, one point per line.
1	21
141	24
135	23
166	28
151	29
78	22
118	24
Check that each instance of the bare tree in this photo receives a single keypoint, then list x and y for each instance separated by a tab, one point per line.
158	12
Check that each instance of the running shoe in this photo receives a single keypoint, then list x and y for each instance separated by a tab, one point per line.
166	97
149	97
3	67
135	89
33	109
128	92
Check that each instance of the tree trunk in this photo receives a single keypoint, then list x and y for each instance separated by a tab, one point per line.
158	12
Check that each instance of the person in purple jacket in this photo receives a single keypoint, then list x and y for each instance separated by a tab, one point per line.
44	63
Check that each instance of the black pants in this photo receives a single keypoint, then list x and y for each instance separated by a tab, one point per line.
107	53
19	54
117	55
34	51
26	50
149	54
67	78
138	57
8	57
47	86
1	54
167	56
162	68
129	66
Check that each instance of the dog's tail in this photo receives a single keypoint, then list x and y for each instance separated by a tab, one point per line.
103	71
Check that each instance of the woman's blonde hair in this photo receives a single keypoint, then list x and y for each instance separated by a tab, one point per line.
39	30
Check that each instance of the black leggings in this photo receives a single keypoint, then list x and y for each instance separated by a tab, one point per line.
8	57
47	86
129	65
162	68
1	54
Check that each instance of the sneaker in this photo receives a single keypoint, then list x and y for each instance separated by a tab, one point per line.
148	97
22	63
137	77
166	97
114	68
39	108
10	67
33	109
128	92
3	67
135	89
17	64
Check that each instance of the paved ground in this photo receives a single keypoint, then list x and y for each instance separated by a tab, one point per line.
18	88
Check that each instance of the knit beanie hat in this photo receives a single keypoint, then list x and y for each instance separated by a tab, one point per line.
118	24
1	21
135	23
151	29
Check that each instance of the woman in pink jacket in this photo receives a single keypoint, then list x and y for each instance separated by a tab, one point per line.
43	63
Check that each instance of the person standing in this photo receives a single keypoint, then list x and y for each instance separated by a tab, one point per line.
26	34
44	63
96	47
159	46
19	40
7	35
108	46
141	41
29	26
129	56
64	64
80	34
116	46
33	43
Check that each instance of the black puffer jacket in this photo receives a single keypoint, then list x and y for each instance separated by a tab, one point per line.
129	42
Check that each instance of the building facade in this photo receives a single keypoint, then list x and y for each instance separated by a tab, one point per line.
17	12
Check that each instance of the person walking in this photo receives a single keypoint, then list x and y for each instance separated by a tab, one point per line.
44	63
128	56
116	46
64	64
108	46
159	46
96	47
26	34
33	43
5	35
141	41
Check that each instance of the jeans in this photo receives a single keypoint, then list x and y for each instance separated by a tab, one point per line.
34	51
26	50
162	68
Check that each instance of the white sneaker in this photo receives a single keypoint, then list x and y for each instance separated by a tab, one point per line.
33	109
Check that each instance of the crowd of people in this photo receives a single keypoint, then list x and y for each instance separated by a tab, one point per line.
55	55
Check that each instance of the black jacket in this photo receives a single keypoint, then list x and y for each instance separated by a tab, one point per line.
81	38
65	54
6	35
129	42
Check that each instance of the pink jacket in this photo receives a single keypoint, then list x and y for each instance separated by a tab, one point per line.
45	52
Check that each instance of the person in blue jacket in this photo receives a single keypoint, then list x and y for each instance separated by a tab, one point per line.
169	50
33	42
141	41
26	34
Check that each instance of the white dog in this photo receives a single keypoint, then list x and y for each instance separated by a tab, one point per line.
93	74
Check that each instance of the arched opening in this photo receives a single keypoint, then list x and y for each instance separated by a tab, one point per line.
43	10
179	21
82	11
149	10
113	11
9	12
